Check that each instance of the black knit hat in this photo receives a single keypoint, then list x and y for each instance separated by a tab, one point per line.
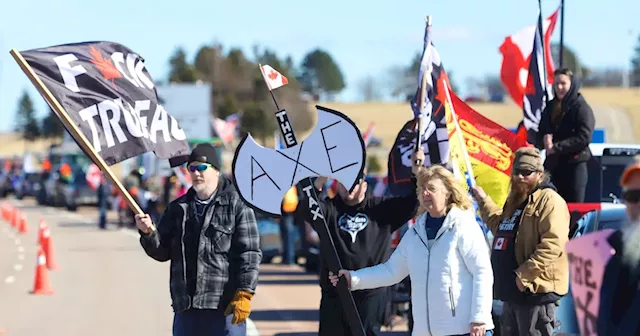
205	153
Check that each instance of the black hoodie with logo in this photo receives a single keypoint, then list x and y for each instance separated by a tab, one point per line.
361	233
504	263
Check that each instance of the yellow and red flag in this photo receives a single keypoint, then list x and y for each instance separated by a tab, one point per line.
489	146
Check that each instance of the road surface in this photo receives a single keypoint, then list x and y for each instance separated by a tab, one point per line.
106	285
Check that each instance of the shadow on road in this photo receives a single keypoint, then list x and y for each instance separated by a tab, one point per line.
289	282
386	333
111	249
286	315
285	273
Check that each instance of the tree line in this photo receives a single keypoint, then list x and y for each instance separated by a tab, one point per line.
30	127
237	85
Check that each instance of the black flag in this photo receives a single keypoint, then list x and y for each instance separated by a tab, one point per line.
108	93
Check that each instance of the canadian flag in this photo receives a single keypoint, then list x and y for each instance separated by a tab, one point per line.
516	52
501	244
273	78
94	176
226	129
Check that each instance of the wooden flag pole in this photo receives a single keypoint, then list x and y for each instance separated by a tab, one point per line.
74	130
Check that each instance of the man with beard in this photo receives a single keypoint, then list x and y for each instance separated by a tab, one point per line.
620	290
212	240
531	270
360	226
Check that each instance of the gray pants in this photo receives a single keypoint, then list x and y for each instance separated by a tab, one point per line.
527	320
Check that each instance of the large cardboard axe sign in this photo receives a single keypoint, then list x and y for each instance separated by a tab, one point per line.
334	148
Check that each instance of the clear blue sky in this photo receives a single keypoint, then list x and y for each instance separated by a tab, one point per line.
364	37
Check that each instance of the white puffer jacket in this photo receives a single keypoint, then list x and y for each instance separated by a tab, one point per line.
451	283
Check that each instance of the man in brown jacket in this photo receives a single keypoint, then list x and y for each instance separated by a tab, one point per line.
531	270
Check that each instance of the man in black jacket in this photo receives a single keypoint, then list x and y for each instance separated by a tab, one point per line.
565	132
212	240
360	226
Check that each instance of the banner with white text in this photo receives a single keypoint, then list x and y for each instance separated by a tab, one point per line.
109	94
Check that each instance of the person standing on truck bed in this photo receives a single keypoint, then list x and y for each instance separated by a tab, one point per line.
566	129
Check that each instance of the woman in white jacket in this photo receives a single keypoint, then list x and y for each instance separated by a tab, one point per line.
447	258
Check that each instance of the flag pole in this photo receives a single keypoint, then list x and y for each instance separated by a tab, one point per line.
544	54
423	93
320	225
269	87
471	181
561	58
73	129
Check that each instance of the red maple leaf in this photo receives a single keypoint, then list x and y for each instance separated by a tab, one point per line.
273	75
106	67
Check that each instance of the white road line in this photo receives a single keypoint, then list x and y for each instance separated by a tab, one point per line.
17	267
20	256
17	241
20	249
9	279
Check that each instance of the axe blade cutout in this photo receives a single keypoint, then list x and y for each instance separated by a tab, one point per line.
334	148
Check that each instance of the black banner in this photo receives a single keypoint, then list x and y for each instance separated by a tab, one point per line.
109	94
435	144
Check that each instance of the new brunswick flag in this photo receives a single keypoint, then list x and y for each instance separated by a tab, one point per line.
491	148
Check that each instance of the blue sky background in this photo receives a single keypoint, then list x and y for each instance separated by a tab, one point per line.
364	37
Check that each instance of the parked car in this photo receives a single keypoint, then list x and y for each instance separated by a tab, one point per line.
28	184
78	192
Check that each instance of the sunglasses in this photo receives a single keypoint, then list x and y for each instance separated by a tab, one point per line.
200	167
631	195
523	172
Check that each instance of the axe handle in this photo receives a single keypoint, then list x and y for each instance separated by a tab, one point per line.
327	246
328	249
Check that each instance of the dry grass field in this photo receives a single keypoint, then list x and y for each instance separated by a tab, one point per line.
13	144
389	117
617	111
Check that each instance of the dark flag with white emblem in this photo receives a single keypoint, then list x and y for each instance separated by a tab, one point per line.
433	134
537	92
109	95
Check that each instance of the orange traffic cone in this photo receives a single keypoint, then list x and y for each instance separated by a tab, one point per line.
5	214
14	217
41	284
23	224
44	240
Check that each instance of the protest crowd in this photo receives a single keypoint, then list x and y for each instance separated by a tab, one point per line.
473	231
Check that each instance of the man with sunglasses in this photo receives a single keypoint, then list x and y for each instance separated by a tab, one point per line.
530	268
212	240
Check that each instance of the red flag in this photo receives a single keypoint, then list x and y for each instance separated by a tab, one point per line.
516	52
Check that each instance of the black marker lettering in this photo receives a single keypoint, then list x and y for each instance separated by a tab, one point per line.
327	149
587	275
264	173
298	162
589	321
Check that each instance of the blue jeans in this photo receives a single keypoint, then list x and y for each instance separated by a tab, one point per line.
486	333
287	227
206	322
